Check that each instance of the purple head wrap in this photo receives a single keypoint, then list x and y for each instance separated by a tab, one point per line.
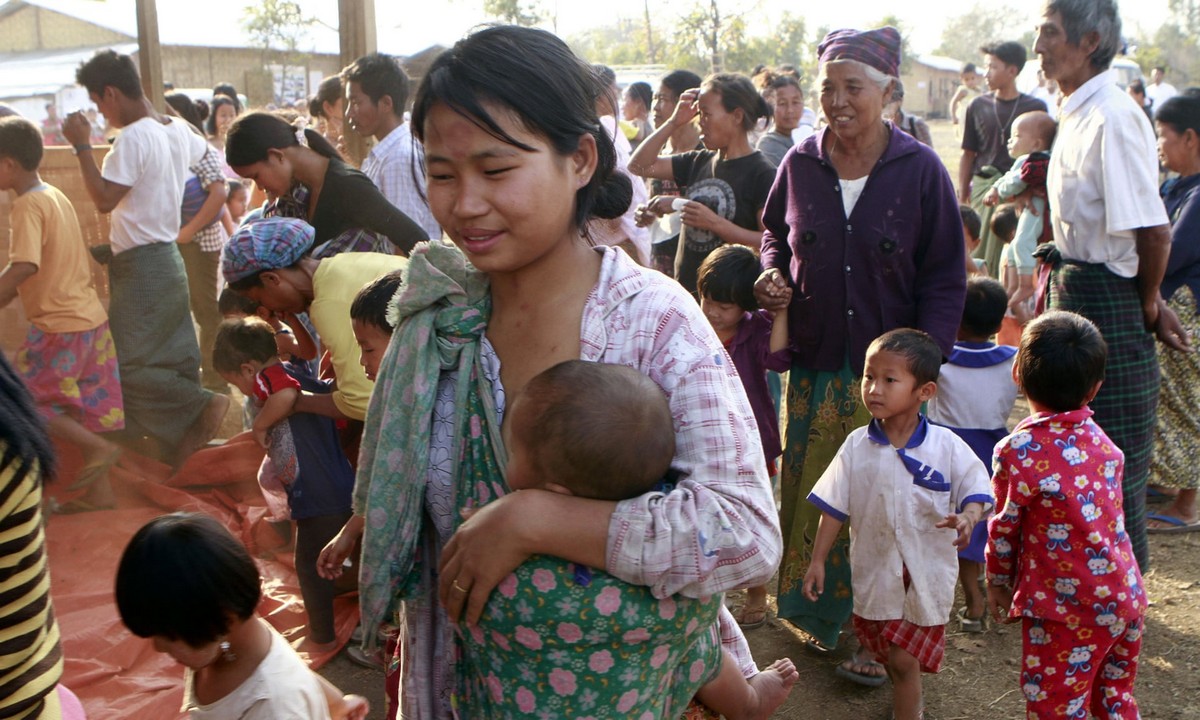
878	48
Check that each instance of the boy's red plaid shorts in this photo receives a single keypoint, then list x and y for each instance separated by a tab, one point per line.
926	643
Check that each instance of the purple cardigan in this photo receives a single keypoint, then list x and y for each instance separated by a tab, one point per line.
750	349
897	262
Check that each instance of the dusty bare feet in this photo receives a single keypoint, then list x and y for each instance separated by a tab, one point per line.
311	646
771	687
204	428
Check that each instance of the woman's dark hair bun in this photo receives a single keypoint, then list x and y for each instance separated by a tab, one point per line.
612	197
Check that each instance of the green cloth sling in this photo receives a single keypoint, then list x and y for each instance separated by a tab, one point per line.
440	314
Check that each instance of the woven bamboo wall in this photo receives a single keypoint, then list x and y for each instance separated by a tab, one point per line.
61	169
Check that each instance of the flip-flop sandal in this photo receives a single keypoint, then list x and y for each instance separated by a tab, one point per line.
970	624
752	610
92	473
816	647
357	656
72	507
1177	525
847	673
1158	497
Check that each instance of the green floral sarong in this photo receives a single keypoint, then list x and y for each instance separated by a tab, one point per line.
822	408
548	646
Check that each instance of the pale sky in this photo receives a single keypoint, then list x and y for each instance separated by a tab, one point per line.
404	31
406	26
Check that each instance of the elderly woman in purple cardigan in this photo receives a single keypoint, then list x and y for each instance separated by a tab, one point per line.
863	225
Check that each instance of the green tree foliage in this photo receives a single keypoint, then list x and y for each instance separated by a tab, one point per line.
689	44
982	24
515	12
276	25
279	28
708	32
622	43
1173	48
788	44
1186	14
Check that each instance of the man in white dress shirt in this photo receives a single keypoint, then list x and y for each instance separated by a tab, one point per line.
1111	230
1159	91
376	94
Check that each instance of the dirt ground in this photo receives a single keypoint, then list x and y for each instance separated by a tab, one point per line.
980	675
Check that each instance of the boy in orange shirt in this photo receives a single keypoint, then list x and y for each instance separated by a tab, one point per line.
68	359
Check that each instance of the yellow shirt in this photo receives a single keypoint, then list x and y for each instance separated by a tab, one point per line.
335	283
32	661
60	297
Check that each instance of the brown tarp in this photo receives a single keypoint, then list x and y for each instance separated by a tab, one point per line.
115	673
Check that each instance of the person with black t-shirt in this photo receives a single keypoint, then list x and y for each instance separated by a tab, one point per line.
986	130
664	237
727	182
307	179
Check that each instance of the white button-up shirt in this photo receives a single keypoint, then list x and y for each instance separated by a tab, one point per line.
1103	176
396	166
892	513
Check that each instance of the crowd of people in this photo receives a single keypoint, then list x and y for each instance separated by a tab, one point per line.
520	372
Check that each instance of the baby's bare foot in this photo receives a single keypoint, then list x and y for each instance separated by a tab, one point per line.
771	687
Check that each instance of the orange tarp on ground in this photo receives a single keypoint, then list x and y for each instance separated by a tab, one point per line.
115	673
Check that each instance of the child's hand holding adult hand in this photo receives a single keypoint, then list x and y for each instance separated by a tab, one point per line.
771	290
260	435
332	560
999	601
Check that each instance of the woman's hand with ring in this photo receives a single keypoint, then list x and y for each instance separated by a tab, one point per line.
487	546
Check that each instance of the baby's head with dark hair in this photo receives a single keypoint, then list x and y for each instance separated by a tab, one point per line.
1004	222
21	141
370	305
983	310
1061	361
601	431
243	340
185	577
727	275
971	223
921	352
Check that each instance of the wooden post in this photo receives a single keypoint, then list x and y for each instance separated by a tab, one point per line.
356	29
150	53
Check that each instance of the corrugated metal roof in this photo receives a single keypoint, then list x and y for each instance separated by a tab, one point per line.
45	73
215	24
940	62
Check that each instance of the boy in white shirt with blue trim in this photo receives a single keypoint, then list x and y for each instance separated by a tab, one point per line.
915	492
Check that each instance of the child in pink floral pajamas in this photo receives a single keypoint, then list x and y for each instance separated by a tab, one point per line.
1057	555
560	639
